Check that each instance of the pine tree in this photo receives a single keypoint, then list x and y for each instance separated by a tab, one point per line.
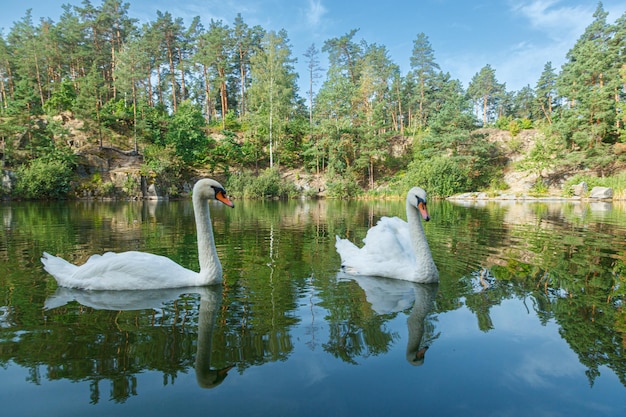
215	53
424	71
545	91
170	33
247	41
374	97
585	82
272	93
313	66
485	90
29	61
6	75
130	70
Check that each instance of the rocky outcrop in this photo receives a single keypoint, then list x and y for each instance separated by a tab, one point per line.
580	190
601	193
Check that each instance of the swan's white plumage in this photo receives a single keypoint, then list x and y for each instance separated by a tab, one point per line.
139	270
394	248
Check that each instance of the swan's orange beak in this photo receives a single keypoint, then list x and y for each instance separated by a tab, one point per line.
423	211
421	354
221	196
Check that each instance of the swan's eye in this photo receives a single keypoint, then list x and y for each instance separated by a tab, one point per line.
218	190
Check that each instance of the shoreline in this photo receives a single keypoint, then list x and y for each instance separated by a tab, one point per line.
484	196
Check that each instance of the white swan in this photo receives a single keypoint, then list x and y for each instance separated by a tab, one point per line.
394	248
387	296
142	271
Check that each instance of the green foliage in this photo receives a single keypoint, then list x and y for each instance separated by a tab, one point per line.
227	152
343	187
242	79
593	62
439	176
154	124
525	123
62	98
539	188
485	91
106	189
116	115
616	182
48	152
43	179
504	122
131	186
232	121
542	156
268	184
514	126
457	161
162	163
186	132
96	187
25	101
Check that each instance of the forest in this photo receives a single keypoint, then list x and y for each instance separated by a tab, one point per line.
224	99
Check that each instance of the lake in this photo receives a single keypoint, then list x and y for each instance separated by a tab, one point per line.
528	318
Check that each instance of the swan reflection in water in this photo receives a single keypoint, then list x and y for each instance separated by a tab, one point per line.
388	296
210	303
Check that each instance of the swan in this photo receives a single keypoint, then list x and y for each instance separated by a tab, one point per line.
135	270
388	296
393	248
210	303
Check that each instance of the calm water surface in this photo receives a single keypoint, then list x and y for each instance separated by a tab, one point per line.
528	319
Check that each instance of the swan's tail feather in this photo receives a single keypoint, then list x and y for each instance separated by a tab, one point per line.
346	250
59	268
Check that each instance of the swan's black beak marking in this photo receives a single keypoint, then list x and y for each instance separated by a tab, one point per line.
220	195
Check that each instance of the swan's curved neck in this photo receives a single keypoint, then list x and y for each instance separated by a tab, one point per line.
426	270
210	267
418	238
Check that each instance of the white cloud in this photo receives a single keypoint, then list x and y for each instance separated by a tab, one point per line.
557	20
559	26
315	12
548	362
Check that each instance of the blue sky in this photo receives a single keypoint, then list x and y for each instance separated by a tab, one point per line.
516	37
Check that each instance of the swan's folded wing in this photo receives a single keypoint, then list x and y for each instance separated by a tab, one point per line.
126	270
390	240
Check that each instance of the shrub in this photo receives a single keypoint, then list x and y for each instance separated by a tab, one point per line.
43	179
268	184
440	176
514	128
131	186
539	188
342	187
617	182
526	123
